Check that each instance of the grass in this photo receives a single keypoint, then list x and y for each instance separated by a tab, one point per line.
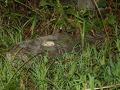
88	69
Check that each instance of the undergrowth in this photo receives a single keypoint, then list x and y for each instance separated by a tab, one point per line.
88	69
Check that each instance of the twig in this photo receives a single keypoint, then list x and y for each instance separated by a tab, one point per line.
101	17
106	87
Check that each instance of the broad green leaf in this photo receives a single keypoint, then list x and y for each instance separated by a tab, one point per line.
42	3
71	11
75	1
111	19
98	23
60	23
102	3
87	27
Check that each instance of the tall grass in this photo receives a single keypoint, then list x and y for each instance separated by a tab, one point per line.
88	69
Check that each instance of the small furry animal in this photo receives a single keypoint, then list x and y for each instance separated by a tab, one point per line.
53	44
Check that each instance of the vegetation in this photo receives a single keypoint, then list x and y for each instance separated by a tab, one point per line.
90	68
